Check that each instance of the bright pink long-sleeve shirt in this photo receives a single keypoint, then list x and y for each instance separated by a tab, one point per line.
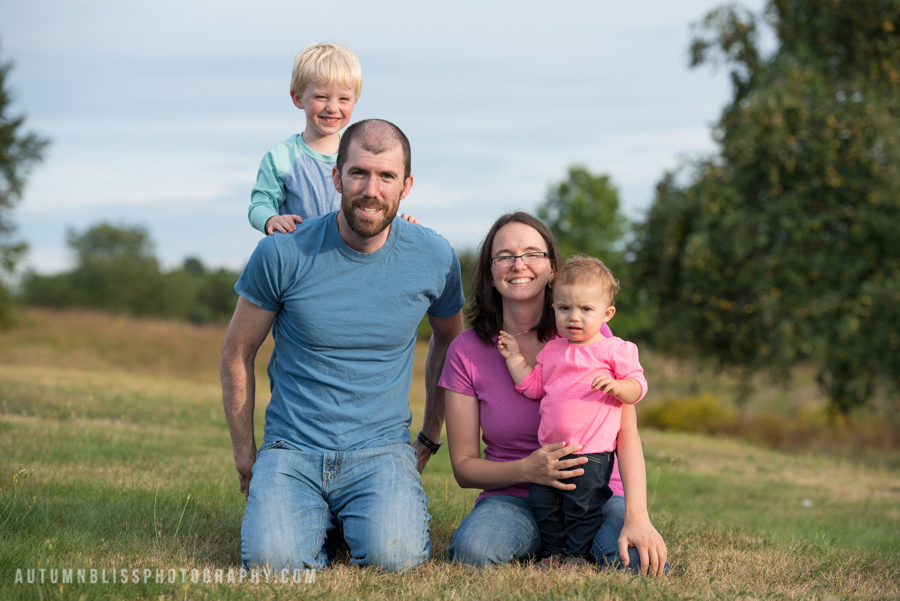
571	410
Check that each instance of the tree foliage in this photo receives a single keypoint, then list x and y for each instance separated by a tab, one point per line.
116	271
782	246
19	152
583	213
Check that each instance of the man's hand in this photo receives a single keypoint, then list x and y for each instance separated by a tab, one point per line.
423	454
409	218
282	223
244	467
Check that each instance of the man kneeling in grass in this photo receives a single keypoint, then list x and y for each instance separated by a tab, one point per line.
344	295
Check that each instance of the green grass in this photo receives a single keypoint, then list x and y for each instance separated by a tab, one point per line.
131	468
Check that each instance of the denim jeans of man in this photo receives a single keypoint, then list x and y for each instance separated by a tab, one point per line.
569	519
298	499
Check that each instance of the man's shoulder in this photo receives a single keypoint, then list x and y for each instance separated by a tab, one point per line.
308	238
421	237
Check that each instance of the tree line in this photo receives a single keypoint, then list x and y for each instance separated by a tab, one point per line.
116	271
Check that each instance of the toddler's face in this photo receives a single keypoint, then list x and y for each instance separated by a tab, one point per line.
581	310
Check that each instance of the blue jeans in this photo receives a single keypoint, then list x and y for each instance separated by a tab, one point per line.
569	519
502	528
298	499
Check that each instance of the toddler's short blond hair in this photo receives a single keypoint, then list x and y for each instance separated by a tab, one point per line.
329	63
582	269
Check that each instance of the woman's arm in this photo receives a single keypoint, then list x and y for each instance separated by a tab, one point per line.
471	471
638	532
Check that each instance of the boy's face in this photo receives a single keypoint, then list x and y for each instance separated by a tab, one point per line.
328	107
581	310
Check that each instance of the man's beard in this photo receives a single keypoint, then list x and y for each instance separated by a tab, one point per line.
368	228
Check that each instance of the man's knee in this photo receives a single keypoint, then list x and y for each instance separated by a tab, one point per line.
395	554
280	549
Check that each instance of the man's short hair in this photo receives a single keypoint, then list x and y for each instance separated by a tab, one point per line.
376	136
582	269
328	63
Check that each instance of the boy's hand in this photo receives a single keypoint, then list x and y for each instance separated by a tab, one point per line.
409	218
507	345
607	384
282	223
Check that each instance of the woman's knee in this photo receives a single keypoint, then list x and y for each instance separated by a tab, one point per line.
500	529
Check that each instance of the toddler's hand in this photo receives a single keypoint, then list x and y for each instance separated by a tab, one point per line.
607	384
282	223
507	345
409	218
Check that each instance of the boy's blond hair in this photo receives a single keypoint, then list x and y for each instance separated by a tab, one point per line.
329	63
582	269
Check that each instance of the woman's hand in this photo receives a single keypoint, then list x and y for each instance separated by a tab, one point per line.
640	534
544	465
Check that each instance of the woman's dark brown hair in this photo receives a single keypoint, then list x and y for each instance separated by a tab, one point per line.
486	312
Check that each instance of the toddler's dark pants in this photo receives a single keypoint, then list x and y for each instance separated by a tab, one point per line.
569	519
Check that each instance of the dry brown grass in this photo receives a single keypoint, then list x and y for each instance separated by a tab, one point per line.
96	469
92	341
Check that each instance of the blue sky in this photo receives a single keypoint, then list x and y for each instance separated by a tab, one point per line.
160	112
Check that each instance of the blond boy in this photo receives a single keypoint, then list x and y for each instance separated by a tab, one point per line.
295	177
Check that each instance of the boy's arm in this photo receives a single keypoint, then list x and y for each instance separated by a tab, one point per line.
268	193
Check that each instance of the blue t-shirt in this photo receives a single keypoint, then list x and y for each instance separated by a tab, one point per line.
346	329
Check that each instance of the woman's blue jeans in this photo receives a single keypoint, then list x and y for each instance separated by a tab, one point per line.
501	528
298	499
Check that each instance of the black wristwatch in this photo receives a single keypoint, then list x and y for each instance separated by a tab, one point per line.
432	446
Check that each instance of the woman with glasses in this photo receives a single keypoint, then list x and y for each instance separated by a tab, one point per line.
511	284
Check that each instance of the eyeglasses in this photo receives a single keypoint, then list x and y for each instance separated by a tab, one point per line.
507	261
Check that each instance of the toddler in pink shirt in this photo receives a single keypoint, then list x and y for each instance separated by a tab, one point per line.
582	379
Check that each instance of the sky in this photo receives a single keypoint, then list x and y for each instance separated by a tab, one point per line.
159	113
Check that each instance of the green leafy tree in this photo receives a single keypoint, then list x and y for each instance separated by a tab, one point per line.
117	271
19	152
583	213
782	245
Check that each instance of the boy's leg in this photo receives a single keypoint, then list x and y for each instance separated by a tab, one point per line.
583	507
377	496
547	506
286	519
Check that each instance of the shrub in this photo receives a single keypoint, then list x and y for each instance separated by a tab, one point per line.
705	413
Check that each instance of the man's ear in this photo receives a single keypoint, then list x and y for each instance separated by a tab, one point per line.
336	178
407	186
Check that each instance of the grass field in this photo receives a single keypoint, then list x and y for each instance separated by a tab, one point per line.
114	454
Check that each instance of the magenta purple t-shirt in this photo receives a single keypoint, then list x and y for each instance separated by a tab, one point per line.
509	419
